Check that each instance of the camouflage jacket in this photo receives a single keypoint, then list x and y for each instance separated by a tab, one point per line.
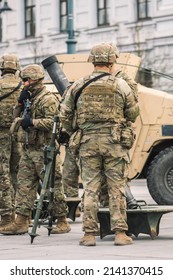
44	106
114	102
8	83
132	84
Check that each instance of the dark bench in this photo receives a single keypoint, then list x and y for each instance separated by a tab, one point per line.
145	219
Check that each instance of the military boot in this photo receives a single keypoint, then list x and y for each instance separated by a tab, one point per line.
6	220
19	226
122	239
62	226
88	240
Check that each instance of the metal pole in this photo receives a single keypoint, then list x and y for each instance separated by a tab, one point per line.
71	42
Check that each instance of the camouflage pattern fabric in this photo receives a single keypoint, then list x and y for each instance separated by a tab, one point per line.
29	174
8	82
70	174
132	84
103	196
44	105
67	114
6	188
100	145
71	169
104	53
96	151
14	161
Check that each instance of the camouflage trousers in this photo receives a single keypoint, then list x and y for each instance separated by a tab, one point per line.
29	175
70	175
14	162
70	179
6	188
99	154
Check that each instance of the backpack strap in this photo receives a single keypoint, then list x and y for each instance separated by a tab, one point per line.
9	93
78	93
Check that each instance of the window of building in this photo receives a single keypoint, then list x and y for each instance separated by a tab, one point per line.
63	15
143	9
102	12
30	18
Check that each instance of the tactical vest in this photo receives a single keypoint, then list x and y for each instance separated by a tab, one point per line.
7	104
99	102
36	136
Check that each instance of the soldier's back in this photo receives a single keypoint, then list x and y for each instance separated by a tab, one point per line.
8	98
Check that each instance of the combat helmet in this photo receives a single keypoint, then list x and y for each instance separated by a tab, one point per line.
104	53
9	62
32	71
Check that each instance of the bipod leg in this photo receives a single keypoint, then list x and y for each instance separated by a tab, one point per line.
50	217
40	202
51	193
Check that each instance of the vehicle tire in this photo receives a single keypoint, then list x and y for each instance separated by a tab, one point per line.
160	177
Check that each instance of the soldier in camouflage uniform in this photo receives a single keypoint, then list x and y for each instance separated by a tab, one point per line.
38	125
70	174
103	196
97	121
70	169
10	88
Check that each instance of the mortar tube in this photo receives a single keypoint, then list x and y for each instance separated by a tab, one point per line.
57	75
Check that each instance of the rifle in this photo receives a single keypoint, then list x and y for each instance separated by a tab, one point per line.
50	153
27	109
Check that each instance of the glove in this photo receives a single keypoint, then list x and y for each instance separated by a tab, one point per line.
63	137
26	122
24	95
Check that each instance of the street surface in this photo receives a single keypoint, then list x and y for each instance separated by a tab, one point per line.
65	246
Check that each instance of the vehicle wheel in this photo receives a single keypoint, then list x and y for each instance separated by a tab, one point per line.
160	177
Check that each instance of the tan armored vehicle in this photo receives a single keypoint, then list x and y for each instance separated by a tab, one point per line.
152	153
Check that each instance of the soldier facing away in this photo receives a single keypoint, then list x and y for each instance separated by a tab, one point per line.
10	88
70	173
34	131
98	121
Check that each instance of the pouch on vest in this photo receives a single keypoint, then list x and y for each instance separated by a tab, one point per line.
75	139
127	137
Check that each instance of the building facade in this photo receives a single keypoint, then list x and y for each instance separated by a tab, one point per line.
36	29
